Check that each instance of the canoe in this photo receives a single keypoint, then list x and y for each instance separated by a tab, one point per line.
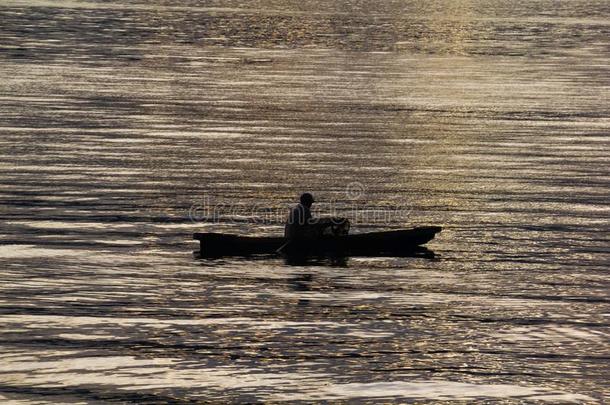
392	243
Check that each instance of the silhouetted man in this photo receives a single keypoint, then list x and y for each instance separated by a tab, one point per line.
298	222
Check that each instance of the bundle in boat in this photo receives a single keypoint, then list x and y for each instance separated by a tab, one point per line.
397	243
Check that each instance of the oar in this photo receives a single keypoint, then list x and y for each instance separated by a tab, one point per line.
281	248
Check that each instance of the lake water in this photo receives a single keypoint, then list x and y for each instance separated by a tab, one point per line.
124	124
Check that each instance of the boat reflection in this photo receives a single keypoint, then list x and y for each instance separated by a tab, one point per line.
334	260
301	282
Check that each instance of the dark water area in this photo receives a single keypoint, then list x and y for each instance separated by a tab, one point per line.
124	124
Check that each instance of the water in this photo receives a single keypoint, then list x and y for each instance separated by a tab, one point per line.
123	121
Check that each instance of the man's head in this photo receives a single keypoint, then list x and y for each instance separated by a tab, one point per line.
307	199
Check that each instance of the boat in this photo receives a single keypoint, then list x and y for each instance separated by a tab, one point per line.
390	243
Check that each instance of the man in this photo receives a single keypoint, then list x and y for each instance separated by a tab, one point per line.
298	223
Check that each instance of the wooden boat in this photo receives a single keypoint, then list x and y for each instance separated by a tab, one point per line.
391	243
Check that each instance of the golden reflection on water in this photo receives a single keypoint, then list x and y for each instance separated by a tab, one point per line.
489	119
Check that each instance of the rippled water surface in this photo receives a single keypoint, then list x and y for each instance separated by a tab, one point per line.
122	122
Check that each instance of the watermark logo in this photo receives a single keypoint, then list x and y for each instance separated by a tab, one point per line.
352	206
355	190
196	212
